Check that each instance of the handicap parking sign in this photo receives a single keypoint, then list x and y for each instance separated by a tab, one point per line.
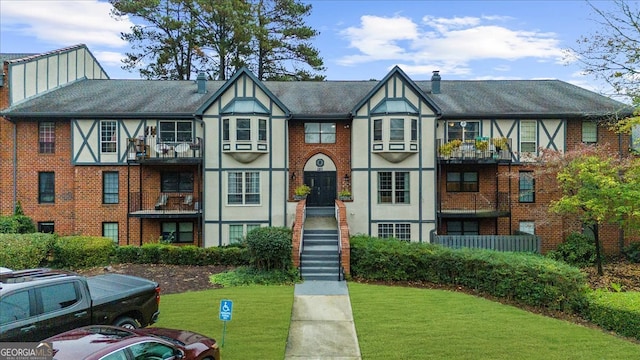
226	307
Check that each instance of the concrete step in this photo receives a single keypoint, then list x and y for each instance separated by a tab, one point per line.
320	250
324	211
322	277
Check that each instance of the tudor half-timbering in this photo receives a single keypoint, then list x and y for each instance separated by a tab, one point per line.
203	162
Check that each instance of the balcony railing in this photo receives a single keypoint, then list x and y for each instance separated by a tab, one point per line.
163	203
151	148
478	150
475	203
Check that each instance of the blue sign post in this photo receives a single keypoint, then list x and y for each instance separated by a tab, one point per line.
226	308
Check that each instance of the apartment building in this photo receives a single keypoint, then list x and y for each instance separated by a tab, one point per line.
204	162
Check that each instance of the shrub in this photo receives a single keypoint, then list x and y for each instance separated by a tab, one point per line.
25	251
82	251
577	250
270	248
526	278
632	252
615	311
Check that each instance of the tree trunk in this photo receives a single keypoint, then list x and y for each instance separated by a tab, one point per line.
596	239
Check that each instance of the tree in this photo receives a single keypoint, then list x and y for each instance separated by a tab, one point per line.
166	46
281	45
597	186
179	38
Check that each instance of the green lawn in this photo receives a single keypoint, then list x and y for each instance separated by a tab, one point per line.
394	323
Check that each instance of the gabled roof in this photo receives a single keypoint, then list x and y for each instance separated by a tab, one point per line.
14	56
317	99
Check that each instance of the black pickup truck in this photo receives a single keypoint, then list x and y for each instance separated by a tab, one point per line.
39	303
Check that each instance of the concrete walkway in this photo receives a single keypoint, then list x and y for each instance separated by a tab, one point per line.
322	325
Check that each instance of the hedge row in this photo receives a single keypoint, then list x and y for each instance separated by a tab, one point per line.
25	251
526	278
615	311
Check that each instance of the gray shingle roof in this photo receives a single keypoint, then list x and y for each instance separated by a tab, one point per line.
457	99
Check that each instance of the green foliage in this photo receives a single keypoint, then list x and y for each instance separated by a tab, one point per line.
82	251
25	251
244	276
615	311
270	248
577	250
181	255
632	252
16	224
526	278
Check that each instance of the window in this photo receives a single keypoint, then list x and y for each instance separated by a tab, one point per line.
151	350
243	129
225	129
463	130
59	296
462	227
377	130
14	307
396	231
528	135
414	130
527	227
262	130
176	131
393	187
237	232
635	138
589	132
110	187
46	137
46	188
244	188
526	187
324	133
46	227
462	181
397	130
108	139
177	232
176	182
110	230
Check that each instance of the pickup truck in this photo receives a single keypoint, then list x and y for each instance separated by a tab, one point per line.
39	303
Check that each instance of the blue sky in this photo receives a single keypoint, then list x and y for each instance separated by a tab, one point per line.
360	40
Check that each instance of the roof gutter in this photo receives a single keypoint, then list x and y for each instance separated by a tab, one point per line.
338	116
526	116
58	115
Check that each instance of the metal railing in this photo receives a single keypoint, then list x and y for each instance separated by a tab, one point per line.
163	202
475	203
480	150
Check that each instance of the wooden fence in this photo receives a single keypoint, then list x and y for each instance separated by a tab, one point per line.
516	243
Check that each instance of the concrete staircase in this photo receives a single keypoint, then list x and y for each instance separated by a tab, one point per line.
320	259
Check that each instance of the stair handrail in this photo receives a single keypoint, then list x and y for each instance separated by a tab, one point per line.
340	268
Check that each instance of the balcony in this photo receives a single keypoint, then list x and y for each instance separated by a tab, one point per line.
164	205
475	205
150	150
480	150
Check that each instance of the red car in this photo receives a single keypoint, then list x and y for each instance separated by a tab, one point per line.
114	343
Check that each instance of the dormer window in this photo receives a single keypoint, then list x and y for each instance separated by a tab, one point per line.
244	129
395	129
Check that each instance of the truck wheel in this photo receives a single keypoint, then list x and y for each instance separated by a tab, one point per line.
127	322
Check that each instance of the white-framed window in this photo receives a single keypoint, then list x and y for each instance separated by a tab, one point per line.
243	188
528	136
110	230
527	227
108	138
243	129
377	130
320	133
396	231
262	130
396	129
463	130
237	232
46	137
589	132
393	187
176	131
414	129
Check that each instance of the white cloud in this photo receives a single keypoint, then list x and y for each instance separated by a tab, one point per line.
64	23
448	44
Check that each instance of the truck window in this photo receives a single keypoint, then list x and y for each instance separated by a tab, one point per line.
14	307
58	296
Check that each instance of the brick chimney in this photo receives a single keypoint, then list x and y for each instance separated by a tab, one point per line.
202	83
435	82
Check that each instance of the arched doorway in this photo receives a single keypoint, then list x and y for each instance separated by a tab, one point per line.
320	175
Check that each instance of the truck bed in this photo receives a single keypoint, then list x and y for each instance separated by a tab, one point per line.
114	287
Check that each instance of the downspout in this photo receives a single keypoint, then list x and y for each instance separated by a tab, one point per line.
15	165
201	171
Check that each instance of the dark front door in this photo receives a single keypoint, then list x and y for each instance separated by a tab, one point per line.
323	187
